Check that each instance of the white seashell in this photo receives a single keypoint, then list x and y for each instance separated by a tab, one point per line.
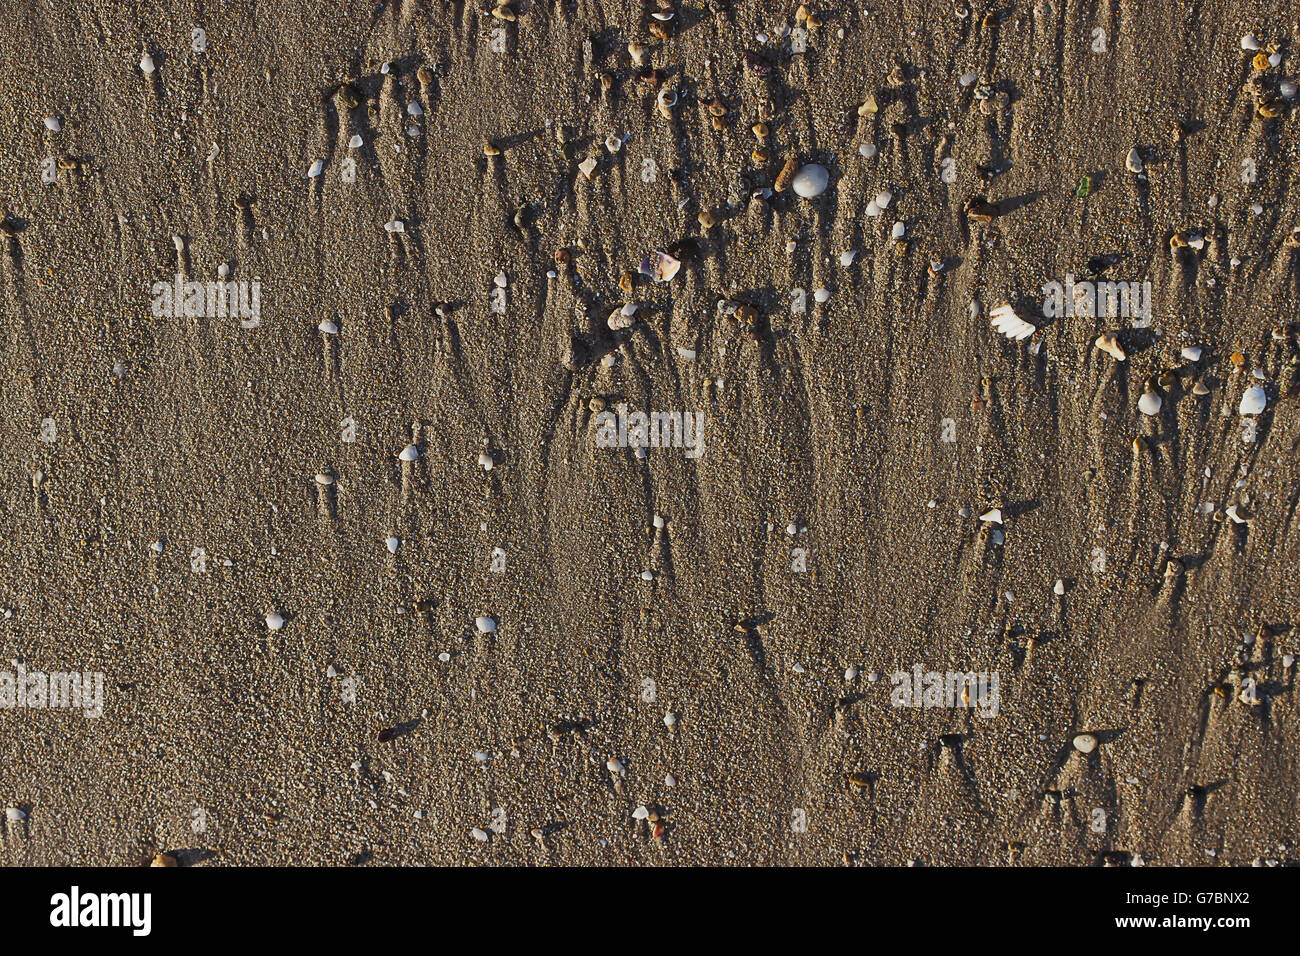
1191	353
867	150
670	780
1133	161
328	327
846	258
1253	401
1232	513
485	461
478	833
52	124
614	765
850	673
1005	320
395	225
1288	89
409	453
274	621
613	143
485	624
670	719
792	528
898	231
156	547
822	295
992	517
630	309
392	544
659	519
588	166
415	109
1085	743
967	79
884	198
15	814
646	575
315	169
1150	403
146	64
640	813
223	270
324	479
1058	588
1249	42
1274	59
811	181
873	209
500	280
355	142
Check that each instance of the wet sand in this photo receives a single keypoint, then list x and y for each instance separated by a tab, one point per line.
380	724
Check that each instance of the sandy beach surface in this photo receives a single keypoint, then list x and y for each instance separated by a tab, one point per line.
521	646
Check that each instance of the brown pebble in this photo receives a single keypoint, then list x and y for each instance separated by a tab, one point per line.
786	176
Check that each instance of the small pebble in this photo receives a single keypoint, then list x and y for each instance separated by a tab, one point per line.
1085	743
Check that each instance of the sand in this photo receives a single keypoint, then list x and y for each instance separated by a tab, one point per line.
869	421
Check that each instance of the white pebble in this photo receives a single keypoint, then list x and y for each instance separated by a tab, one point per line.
485	461
670	719
867	150
1150	403
811	181
355	141
15	814
395	225
146	64
392	544
479	834
274	621
640	813
315	169
1085	743
1248	42
670	780
898	231
847	257
328	327
1192	353
822	295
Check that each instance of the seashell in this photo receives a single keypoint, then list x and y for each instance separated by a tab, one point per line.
588	167
613	143
1249	42
156	547
822	295
485	624
146	64
274	621
1287	88
395	225
409	453
873	209
1253	401
666	99
328	327
670	780
414	108
491	149
660	266
967	79
614	765
1200	388
847	257
979	209
1085	743
1191	353
1150	403
1109	343
867	150
1005	320
52	124
640	813
163	859
503	12
811	181
355	142
15	815
992	517
392	544
898	231
638	53
1235	515
869	106
670	719
1058	588
486	461
1133	161
323	479
478	833
884	198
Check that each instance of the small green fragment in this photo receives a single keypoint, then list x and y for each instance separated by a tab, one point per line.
1084	187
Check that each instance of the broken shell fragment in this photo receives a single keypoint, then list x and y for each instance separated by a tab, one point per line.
660	266
1253	401
485	624
1133	162
1109	343
588	167
1150	403
1005	320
